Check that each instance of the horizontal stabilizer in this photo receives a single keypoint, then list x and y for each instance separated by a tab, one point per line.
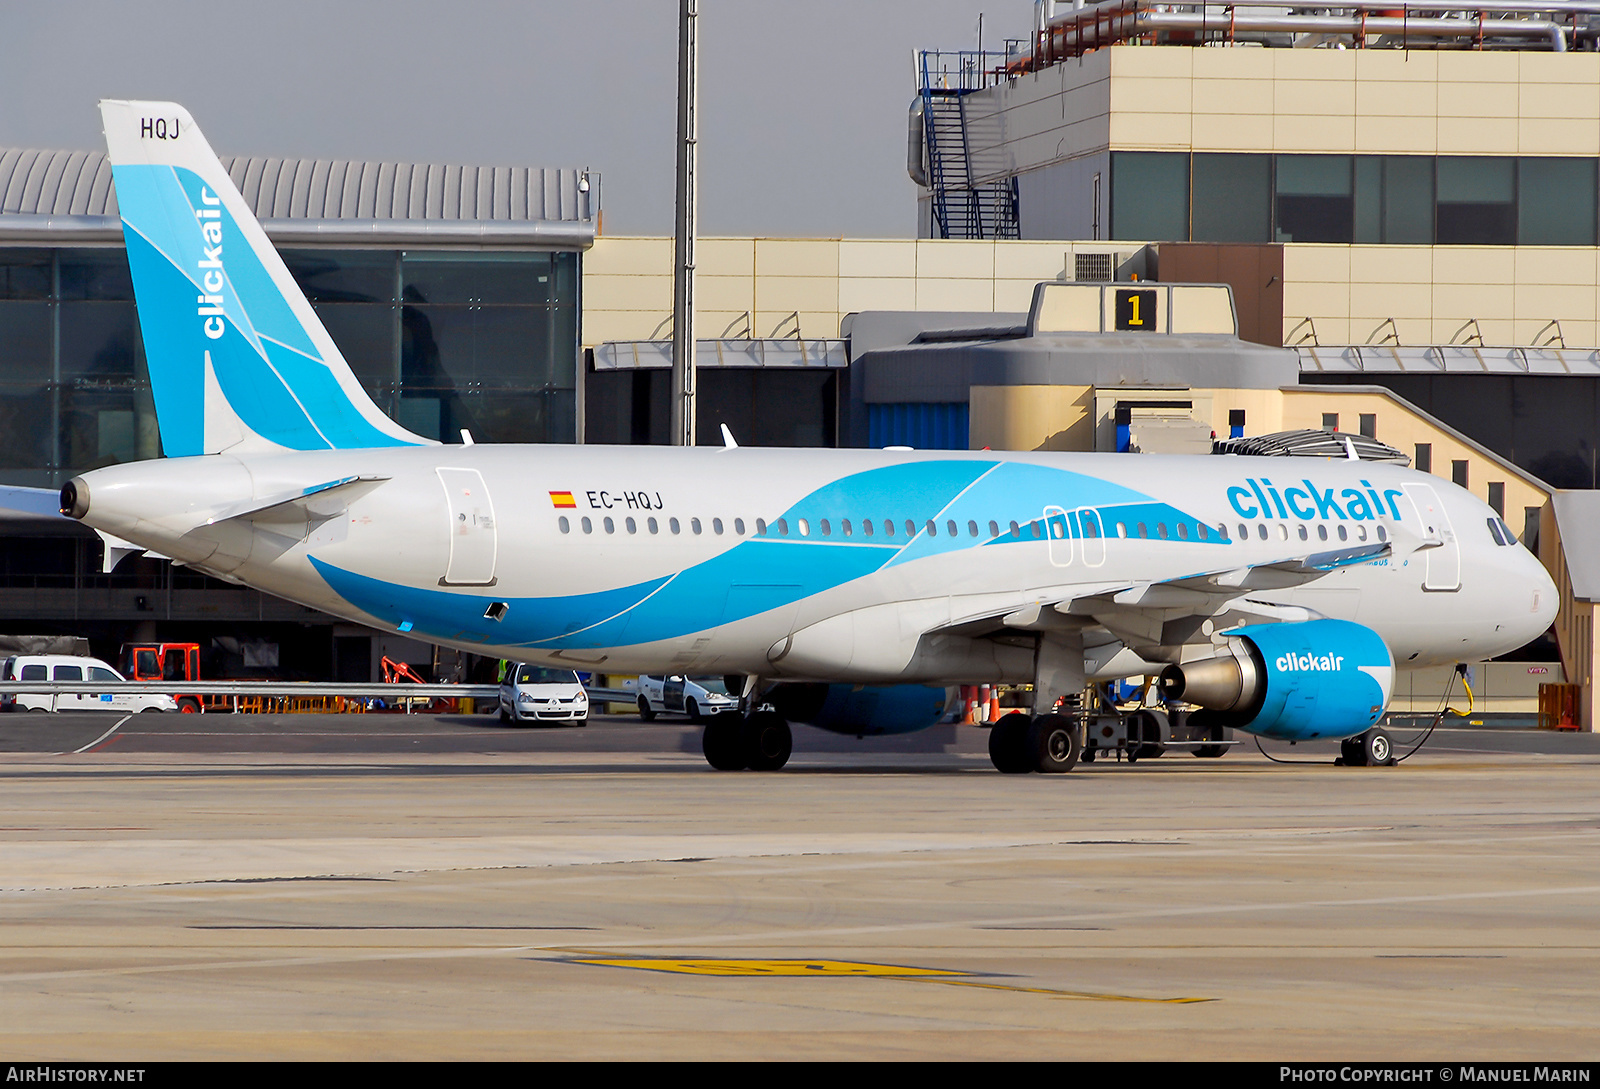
18	502
318	501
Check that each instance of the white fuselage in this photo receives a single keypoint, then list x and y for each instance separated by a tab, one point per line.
747	560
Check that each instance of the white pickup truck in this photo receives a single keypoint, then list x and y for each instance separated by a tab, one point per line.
697	697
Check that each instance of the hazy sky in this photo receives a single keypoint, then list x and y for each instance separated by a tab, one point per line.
802	104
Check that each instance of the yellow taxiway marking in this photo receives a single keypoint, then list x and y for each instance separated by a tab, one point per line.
709	966
694	966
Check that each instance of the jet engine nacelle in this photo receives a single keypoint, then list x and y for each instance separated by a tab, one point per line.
1318	679
862	710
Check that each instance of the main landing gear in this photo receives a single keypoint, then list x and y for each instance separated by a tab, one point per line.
760	741
1020	743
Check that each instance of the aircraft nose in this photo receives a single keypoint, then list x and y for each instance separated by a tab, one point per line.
1539	594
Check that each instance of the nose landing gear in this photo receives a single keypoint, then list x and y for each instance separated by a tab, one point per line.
1371	749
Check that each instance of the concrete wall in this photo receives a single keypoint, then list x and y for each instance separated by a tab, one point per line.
1498	688
1432	291
627	281
1031	418
1356	101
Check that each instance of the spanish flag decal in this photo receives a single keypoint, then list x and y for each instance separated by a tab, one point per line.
562	499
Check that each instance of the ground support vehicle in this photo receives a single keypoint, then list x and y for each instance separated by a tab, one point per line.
697	697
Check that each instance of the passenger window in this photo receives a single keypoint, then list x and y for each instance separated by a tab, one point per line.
803	526
694	526
972	529
588	526
783	527
950	527
654	526
1261	530
1091	528
933	528
611	527
888	528
1382	534
1143	532
1244	532
1283	532
33	673
1361	533
738	527
1122	529
761	526
844	526
1200	529
1222	530
566	526
633	527
866	526
67	673
827	531
1038	530
994	528
1322	532
1344	534
1183	531
1016	530
1161	530
1304	536
911	528
672	524
101	673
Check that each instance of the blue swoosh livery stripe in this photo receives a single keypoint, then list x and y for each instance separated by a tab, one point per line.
758	574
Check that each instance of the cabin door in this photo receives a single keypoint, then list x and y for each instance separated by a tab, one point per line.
472	532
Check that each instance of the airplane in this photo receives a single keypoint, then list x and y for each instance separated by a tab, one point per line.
844	587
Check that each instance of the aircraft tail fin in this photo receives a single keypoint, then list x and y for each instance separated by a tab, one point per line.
237	357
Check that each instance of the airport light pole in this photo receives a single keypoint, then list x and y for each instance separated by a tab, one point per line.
683	341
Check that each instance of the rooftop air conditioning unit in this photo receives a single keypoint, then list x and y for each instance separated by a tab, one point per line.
1100	267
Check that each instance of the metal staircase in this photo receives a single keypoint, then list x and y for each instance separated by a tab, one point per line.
954	143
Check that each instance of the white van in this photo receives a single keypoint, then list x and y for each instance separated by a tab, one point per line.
65	667
533	693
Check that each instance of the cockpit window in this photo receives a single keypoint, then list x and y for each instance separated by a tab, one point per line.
1501	532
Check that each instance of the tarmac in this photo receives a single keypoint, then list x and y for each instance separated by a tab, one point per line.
441	887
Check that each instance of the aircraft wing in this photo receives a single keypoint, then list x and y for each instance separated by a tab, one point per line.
1171	611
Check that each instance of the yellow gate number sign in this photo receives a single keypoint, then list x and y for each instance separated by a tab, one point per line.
1136	311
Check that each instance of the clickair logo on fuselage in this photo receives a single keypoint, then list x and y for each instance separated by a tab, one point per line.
1260	498
210	265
